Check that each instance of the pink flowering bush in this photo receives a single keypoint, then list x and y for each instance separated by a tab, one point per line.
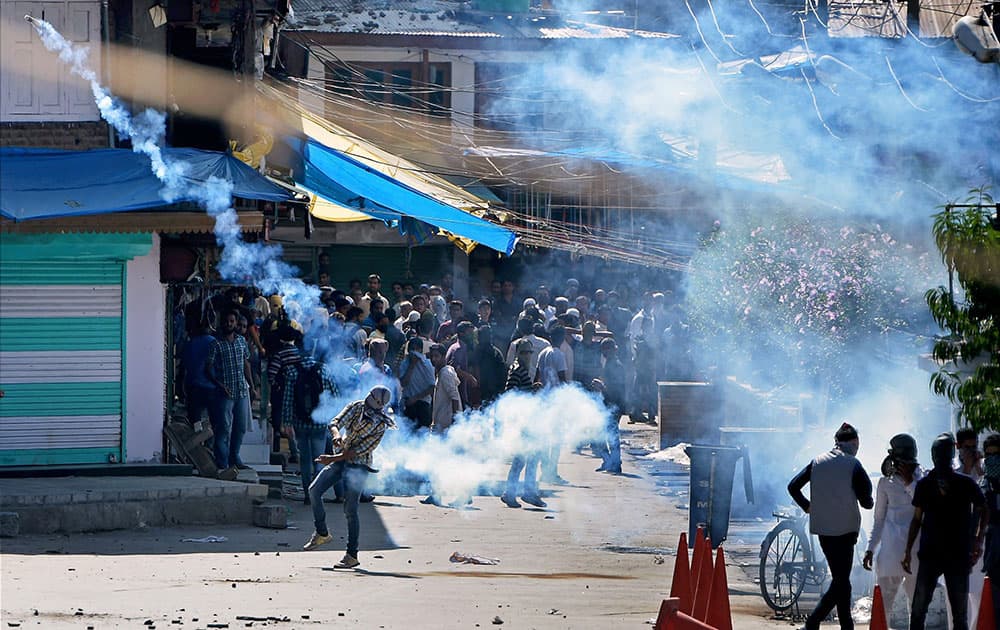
794	298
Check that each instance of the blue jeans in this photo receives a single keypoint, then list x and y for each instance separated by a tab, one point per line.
529	462
609	446
312	444
229	424
550	459
957	585
354	478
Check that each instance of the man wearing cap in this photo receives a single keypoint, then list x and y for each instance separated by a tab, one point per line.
893	513
363	422
527	458
949	516
838	483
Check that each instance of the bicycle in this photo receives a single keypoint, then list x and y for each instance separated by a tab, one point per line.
789	561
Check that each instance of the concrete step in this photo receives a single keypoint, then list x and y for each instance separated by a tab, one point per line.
85	504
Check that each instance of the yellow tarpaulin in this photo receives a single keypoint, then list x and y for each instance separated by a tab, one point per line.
329	211
329	135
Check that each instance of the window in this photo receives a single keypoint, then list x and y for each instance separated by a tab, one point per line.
502	103
417	86
34	84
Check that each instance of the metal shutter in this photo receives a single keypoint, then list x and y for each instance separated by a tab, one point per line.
61	342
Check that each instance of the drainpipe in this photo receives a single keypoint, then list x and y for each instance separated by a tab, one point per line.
106	59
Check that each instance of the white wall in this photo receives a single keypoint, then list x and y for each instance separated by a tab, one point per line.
463	70
145	358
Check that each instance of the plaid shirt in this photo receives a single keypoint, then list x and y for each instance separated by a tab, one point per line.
364	428
228	357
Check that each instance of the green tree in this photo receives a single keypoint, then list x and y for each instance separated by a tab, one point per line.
968	237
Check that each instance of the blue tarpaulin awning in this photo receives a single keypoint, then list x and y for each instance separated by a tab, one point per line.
340	178
45	183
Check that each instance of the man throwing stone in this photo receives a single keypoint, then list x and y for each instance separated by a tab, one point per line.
838	483
364	423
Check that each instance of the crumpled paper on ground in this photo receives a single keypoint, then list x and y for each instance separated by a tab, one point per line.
206	539
862	610
673	454
468	559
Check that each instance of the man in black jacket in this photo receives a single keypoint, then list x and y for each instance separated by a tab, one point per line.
838	483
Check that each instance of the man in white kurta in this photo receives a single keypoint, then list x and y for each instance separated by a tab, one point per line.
893	513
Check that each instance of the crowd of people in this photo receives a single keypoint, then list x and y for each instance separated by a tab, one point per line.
403	340
433	355
929	524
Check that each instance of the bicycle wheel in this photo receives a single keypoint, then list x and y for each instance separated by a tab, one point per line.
784	566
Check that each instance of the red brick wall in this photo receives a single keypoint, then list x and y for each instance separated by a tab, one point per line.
77	136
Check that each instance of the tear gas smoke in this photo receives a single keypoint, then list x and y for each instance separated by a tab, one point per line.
862	136
456	464
469	457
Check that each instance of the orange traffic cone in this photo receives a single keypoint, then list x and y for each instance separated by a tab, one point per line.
987	615
699	548
680	585
719	615
703	588
878	621
668	609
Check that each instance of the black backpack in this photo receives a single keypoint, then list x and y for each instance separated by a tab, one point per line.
308	387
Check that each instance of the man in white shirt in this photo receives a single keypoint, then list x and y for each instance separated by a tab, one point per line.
551	373
365	303
524	326
405	308
446	399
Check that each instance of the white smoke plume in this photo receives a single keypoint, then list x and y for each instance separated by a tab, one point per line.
466	460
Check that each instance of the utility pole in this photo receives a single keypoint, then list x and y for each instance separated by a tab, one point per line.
913	17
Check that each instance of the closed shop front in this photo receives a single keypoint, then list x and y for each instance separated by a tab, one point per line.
62	336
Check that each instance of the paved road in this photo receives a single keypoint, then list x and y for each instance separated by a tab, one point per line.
600	556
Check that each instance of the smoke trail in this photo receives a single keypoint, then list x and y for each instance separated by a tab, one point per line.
242	262
456	464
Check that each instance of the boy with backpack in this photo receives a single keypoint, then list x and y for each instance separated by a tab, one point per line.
279	360
302	383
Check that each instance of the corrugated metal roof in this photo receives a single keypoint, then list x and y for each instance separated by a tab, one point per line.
877	18
444	18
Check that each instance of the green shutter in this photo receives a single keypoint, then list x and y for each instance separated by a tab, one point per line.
61	366
427	264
